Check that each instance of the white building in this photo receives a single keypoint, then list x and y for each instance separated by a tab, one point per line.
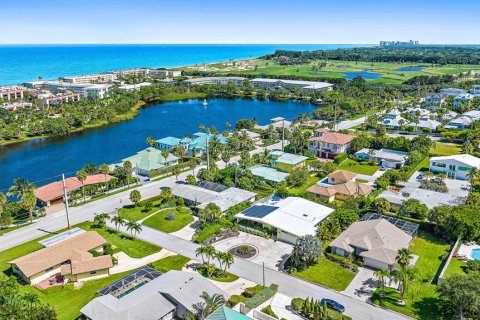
12	92
464	98
133	87
291	218
394	120
90	78
453	91
165	73
434	100
132	72
12	106
386	158
461	123
474	115
214	80
266	83
475	89
456	166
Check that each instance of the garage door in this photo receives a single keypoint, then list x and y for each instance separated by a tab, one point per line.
289	238
375	264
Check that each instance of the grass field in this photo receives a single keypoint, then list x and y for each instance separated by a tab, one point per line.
135	213
446	149
160	222
328	274
421	298
134	248
354	166
336	69
300	190
170	263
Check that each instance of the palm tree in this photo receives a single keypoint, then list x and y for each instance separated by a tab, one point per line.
211	303
101	219
228	125
3	200
209	253
227	260
201	251
176	171
404	256
118	221
104	169
382	275
28	202
135	196
165	154
201	127
226	157
151	142
192	164
427	175
403	276
220	256
127	165
20	187
472	175
134	228
82	176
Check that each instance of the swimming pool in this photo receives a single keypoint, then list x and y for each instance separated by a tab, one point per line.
476	254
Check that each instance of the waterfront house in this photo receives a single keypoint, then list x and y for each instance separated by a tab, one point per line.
290	218
339	185
384	157
376	241
53	193
277	122
149	294
70	260
457	166
286	161
149	160
326	144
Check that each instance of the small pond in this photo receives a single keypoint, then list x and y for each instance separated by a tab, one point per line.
411	68
364	74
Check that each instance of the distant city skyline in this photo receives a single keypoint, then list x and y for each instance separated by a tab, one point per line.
233	22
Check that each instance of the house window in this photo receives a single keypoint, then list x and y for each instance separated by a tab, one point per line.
93	272
49	269
451	167
464	168
440	165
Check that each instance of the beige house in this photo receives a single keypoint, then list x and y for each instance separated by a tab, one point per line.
71	259
340	184
376	241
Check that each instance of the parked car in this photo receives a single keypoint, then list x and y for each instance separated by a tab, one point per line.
420	177
332	304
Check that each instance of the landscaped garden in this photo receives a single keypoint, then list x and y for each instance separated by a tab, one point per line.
354	166
328	274
170	263
446	149
421	299
297	191
170	219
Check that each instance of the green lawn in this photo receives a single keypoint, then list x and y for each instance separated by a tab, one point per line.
230	277
135	213
328	274
134	248
421	300
160	222
354	166
455	267
300	190
446	149
170	263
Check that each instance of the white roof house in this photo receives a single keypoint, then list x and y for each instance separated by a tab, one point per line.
293	217
474	114
394	119
453	91
456	166
460	122
425	122
430	198
386	157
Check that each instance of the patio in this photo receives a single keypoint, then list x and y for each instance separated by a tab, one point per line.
466	250
55	280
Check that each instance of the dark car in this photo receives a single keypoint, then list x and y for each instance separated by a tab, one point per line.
332	304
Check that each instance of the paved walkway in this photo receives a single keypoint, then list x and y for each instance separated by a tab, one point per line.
126	263
363	285
187	232
282	308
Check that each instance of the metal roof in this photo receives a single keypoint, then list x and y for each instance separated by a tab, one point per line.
61	237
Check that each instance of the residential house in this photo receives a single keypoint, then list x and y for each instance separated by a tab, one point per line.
462	99
394	120
204	192
291	218
255	137
385	157
461	123
435	100
167	296
149	160
456	166
195	146
169	143
475	90
277	122
453	91
53	193
225	313
474	115
286	161
339	185
12	106
70	260
429	198
376	241
269	173
326	144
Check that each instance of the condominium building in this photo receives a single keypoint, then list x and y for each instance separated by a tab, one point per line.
12	92
132	72
310	86
165	73
90	78
433	100
214	80
12	106
133	87
63	97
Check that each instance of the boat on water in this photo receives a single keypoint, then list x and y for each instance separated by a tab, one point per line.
205	103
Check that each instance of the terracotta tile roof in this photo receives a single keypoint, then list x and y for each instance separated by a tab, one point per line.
54	190
342	175
333	138
349	188
73	249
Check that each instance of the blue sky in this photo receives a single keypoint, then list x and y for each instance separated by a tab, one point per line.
244	21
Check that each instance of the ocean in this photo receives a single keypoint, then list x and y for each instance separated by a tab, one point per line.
20	63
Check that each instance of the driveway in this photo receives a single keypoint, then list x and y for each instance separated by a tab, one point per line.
455	187
187	232
270	252
363	285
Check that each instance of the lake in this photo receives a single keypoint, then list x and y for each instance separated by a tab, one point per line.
364	74
43	160
411	69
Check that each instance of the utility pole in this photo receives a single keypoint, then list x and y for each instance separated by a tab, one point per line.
263	275
335	118
283	134
65	196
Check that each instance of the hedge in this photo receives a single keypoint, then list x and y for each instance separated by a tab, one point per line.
340	158
262	296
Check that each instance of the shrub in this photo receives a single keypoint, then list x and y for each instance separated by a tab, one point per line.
261	297
438	186
170	216
340	158
148	206
297	304
472	266
180	202
268	310
234	300
107	249
250	292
